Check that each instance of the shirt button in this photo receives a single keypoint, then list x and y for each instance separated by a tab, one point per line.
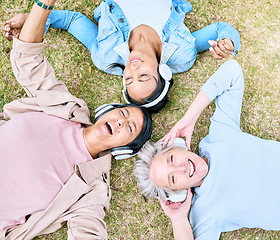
121	20
236	52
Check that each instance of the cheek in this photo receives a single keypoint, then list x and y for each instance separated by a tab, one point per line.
124	137
141	90
182	183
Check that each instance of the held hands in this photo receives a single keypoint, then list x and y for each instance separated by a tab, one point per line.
178	210
221	49
13	27
183	128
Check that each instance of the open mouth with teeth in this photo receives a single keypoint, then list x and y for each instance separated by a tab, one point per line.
192	168
133	60
109	128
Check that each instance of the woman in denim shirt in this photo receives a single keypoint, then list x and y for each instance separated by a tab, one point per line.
144	44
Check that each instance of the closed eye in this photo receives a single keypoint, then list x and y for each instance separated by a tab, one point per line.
173	179
122	113
144	78
170	160
128	81
130	128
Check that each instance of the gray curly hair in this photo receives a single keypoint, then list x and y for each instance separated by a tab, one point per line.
142	171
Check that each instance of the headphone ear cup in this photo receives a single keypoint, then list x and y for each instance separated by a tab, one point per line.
102	109
165	72
177	197
178	142
122	152
125	156
105	108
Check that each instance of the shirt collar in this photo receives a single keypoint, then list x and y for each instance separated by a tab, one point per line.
91	170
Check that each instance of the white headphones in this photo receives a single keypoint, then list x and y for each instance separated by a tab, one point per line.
118	152
176	197
166	74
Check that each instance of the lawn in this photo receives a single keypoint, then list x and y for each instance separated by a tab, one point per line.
257	21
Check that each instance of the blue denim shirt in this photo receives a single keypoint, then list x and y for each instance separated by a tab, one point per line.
108	41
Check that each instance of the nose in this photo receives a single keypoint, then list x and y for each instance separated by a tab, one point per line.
121	122
181	168
135	65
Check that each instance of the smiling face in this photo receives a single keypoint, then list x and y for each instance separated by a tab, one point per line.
119	127
178	169
140	75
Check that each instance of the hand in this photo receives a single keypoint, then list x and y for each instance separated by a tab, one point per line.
177	210
183	128
13	27
221	49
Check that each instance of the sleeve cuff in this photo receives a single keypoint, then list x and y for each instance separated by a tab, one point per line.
27	48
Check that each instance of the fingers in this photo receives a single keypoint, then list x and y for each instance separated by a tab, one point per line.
166	139
7	30
169	138
188	202
221	49
216	51
188	143
189	198
18	20
221	45
228	44
13	26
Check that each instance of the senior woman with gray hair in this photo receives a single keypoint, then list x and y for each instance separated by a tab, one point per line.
235	176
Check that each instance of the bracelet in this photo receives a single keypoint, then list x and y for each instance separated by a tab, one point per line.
42	5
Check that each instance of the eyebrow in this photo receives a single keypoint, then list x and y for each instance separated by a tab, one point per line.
127	112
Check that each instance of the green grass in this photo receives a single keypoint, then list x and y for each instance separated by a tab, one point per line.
130	217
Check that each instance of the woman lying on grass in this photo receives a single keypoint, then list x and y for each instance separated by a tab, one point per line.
145	41
235	177
52	170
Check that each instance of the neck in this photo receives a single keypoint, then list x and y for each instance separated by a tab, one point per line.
93	146
144	38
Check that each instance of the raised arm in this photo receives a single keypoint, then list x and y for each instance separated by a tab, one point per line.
178	214
184	127
33	29
31	68
227	84
74	22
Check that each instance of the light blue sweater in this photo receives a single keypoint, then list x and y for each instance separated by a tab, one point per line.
242	188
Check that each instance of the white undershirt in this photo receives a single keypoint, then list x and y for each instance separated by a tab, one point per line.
153	13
